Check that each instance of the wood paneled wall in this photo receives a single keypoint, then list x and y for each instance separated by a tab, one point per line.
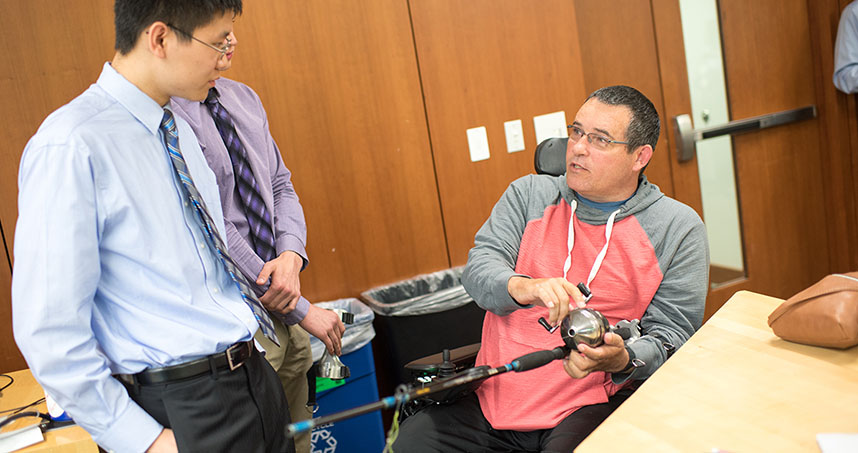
10	357
487	63
340	83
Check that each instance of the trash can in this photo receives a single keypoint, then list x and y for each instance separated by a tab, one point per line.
419	317
364	433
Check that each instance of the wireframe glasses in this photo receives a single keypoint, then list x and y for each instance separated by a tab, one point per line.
225	49
598	141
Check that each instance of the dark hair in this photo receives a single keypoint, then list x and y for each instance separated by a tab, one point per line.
645	124
133	16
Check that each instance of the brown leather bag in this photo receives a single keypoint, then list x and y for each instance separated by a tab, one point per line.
825	314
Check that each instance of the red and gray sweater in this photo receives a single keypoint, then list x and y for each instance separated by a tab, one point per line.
655	269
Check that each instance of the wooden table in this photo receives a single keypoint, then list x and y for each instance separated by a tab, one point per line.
24	391
736	387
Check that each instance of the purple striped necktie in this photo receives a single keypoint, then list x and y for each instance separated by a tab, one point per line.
171	140
258	217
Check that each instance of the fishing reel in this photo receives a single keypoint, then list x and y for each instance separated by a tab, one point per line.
589	326
330	366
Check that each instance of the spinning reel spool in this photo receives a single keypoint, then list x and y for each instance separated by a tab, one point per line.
589	326
584	325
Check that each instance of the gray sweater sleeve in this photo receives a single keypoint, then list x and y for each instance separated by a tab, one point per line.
676	310
491	262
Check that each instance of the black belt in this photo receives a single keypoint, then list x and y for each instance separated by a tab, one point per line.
232	358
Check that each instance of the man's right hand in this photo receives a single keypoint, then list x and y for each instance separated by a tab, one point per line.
285	289
165	442
556	294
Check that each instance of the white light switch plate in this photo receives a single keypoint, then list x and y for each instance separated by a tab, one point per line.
514	136
478	143
550	125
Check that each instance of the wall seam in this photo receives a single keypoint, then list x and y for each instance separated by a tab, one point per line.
429	135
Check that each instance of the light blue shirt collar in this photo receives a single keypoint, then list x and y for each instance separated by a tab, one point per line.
138	103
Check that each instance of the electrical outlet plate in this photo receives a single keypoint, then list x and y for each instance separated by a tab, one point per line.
478	143
514	136
550	125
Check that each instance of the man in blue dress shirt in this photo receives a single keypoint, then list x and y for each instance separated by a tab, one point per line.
122	304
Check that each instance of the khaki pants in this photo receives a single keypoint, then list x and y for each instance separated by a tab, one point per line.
291	361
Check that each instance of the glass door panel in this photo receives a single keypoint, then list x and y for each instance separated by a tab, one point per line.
702	35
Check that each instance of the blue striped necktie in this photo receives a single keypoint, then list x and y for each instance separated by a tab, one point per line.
171	139
258	217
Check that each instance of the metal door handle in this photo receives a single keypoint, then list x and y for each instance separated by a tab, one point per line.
687	136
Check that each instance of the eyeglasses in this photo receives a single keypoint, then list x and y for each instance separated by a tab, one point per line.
227	48
598	141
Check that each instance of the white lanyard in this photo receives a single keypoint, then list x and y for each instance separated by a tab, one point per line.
570	243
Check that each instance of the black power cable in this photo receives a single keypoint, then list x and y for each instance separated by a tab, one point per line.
15	410
11	380
11	418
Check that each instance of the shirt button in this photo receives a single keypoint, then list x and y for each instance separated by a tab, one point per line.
202	245
215	290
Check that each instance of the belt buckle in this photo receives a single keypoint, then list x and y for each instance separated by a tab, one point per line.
125	378
229	351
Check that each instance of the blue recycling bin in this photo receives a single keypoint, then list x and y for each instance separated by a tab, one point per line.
364	433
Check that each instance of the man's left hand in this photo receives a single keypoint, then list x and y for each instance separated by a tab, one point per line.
611	356
285	290
326	326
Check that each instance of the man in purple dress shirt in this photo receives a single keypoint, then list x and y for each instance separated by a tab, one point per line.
276	280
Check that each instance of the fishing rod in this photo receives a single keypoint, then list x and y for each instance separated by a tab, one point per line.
526	362
582	325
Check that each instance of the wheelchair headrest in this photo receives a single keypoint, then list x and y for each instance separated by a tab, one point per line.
550	156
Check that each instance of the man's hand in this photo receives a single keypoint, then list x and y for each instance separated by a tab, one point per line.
165	442
611	356
325	325
285	290
556	294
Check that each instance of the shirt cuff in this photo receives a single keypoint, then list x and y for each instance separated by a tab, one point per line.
297	315
133	430
289	242
505	295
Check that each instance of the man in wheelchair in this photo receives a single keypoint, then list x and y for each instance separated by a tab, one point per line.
641	255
